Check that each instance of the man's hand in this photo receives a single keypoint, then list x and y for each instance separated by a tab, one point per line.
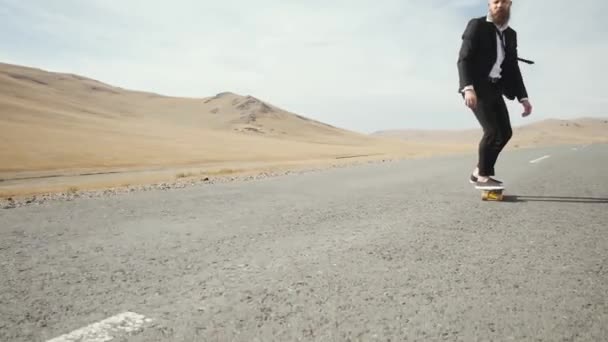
470	99
527	108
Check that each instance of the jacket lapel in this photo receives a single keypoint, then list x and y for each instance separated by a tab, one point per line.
491	32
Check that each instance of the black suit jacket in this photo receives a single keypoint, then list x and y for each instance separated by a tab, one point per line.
478	55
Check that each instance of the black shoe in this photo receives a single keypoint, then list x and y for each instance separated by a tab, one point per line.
491	184
473	180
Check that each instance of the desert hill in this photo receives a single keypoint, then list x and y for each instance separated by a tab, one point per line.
56	127
55	121
58	124
548	132
78	99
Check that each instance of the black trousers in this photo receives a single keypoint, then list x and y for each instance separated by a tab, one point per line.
493	116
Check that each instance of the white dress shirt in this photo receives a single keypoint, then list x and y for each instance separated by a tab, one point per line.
500	50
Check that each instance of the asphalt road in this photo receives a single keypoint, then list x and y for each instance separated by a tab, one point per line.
396	251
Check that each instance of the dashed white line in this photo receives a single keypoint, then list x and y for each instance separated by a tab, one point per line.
539	159
102	331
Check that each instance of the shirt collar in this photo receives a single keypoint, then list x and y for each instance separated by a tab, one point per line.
501	28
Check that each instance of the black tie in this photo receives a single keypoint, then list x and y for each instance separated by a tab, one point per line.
502	39
504	46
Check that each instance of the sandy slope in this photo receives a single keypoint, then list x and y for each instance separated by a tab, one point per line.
62	124
56	124
542	133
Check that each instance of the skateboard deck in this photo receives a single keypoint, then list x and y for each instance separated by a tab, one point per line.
492	195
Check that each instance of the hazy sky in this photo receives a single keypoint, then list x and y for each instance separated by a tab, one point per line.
359	64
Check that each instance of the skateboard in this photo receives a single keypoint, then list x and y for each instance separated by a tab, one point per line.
492	195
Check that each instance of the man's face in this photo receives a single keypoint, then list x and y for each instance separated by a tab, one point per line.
500	10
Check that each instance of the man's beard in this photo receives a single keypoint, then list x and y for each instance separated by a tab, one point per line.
502	18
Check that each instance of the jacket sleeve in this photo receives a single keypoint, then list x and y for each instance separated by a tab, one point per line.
520	88
468	49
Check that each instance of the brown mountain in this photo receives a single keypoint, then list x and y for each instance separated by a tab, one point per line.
55	121
55	127
59	124
547	132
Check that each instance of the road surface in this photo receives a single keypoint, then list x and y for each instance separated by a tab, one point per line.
396	251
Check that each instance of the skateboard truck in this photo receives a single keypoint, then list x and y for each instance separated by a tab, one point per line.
492	195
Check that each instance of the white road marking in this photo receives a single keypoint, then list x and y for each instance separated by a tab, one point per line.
102	331
539	159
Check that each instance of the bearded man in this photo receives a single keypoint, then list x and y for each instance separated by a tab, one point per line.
488	69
